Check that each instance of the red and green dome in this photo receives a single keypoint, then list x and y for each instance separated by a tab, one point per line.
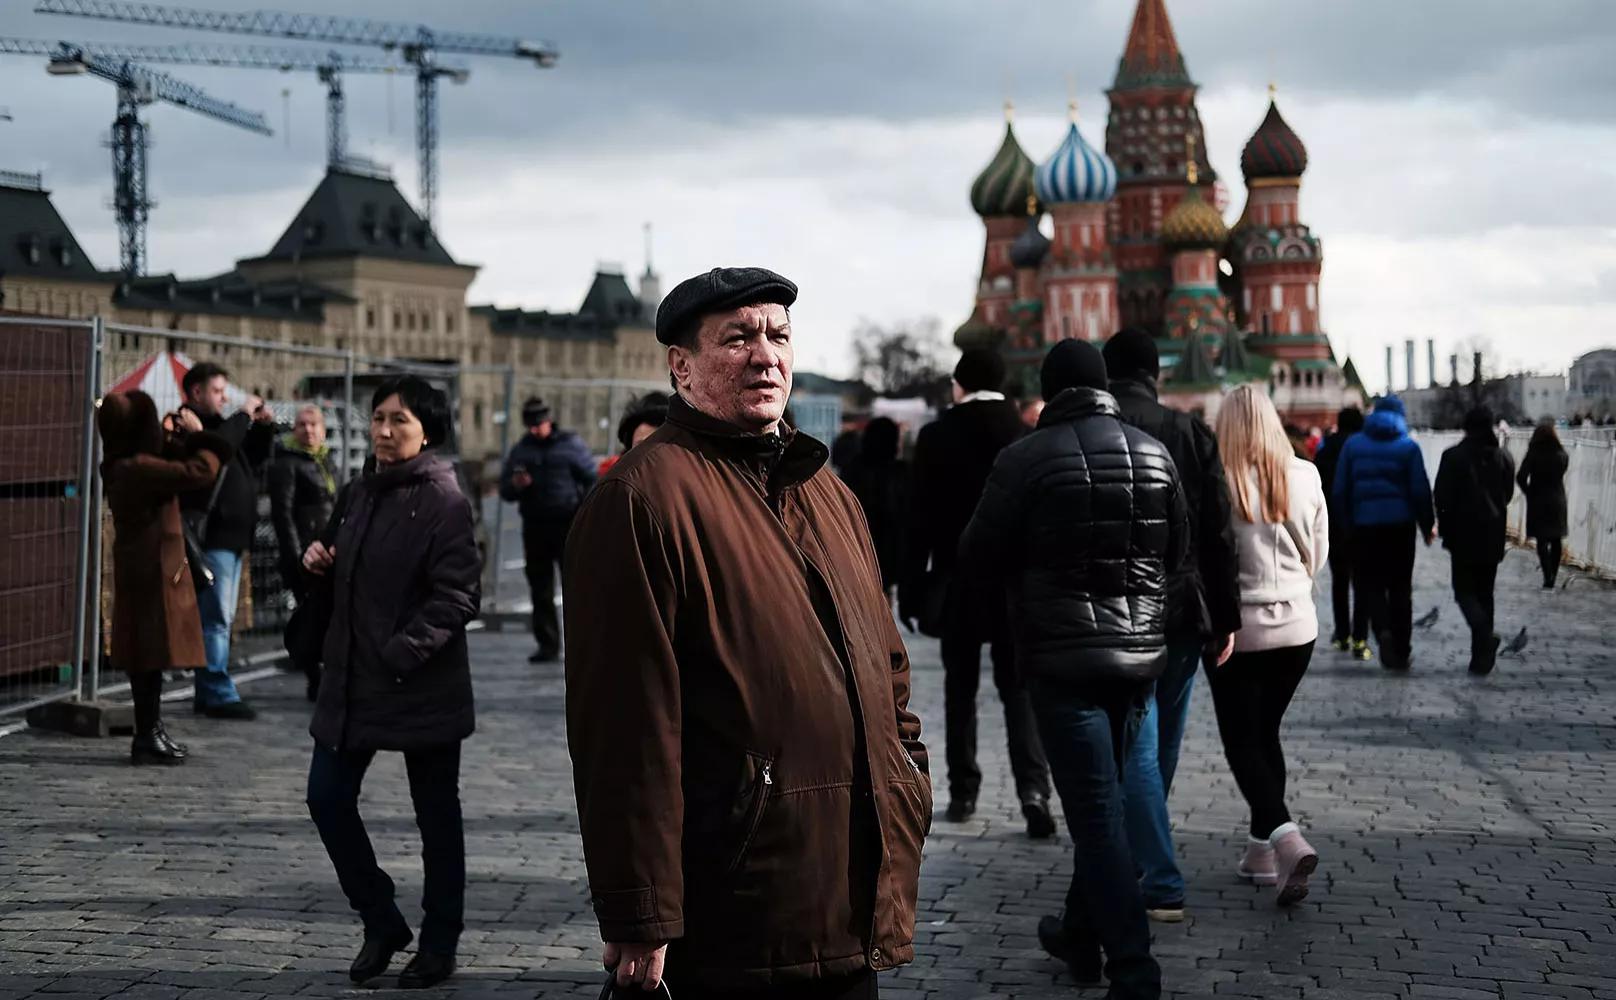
1003	187
1274	150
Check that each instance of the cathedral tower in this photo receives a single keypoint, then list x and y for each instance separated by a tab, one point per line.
1080	277
999	195
1152	111
1194	234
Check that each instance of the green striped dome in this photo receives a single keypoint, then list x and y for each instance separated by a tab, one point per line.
1004	186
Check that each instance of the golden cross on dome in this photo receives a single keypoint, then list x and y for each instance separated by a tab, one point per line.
1071	98
1009	110
1191	173
1273	89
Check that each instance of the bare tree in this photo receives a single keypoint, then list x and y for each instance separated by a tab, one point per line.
903	359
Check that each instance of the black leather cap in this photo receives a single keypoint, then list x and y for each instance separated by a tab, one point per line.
719	289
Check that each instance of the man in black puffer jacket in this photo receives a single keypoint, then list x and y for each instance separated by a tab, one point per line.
546	474
1084	520
1203	609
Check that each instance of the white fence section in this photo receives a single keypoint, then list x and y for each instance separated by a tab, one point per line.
1590	491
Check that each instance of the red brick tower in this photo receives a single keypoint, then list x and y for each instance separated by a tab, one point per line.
1077	183
1152	110
1194	234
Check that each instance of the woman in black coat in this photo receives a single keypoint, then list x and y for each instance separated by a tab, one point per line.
880	480
1542	480
403	572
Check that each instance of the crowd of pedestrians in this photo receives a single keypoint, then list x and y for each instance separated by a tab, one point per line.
753	791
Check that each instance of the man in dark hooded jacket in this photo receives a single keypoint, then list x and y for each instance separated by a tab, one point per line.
1474	484
1346	599
546	474
1083	521
1381	488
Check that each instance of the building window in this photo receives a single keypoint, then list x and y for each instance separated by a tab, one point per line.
370	318
1312	295
398	320
1276	298
448	323
1296	321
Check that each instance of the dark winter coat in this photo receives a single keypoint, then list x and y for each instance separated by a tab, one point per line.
954	455
1327	459
235	513
1203	597
302	489
882	489
1542	480
562	468
1380	477
155	623
1474	483
1083	520
751	782
406	581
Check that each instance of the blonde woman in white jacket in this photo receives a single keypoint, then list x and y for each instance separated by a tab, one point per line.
1282	537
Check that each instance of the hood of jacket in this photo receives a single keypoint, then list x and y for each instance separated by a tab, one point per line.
1387	422
428	466
1075	403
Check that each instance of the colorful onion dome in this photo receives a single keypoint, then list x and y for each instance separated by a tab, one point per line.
1030	248
1075	172
1193	224
1274	150
1003	187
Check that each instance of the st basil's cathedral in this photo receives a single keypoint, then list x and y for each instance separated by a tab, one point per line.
1139	240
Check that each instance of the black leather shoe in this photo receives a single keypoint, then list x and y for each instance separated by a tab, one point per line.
545	656
146	748
231	710
427	968
376	955
1483	661
1040	821
1082	958
961	809
174	746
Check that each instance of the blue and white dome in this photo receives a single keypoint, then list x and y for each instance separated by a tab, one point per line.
1076	172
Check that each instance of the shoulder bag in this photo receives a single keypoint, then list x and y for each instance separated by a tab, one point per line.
193	526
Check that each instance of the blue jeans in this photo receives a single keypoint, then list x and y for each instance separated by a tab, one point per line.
1152	760
1086	734
217	606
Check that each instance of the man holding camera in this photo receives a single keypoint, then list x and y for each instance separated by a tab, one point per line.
226	515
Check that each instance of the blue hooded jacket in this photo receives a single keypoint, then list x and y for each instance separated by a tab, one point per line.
1380	477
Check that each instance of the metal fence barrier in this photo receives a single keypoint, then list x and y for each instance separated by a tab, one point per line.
1590	491
56	564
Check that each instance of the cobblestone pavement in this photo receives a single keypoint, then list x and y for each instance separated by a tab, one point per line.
1465	827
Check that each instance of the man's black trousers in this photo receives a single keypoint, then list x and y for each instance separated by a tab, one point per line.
543	541
1383	558
1473	583
962	677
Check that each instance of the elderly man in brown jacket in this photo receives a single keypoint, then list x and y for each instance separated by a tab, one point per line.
752	789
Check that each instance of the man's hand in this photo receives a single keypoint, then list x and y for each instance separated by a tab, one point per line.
189	421
260	413
636	964
1225	649
1430	536
521	479
318	558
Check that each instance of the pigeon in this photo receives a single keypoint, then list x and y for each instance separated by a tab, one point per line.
1426	621
1518	643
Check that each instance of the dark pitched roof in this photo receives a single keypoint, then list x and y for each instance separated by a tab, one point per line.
351	214
34	239
539	323
228	294
610	300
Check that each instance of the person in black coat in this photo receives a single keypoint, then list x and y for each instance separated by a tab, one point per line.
1474	484
953	456
403	572
1542	480
1083	522
546	475
302	490
1203	611
1351	611
880	480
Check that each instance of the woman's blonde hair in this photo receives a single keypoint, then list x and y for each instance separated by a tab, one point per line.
1256	453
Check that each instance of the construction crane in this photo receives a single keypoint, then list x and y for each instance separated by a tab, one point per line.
328	66
137	87
419	44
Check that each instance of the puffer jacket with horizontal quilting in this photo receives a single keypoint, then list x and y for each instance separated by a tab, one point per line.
1083	520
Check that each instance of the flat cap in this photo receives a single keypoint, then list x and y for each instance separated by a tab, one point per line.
719	289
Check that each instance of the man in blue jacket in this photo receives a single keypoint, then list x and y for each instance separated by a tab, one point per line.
1381	488
546	474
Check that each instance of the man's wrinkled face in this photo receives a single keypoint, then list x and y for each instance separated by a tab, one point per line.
740	368
309	428
207	398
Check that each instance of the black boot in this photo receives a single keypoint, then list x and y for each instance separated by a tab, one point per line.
148	749
1040	821
1082	957
376	955
174	746
427	968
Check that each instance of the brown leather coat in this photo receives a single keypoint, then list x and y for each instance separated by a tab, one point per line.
155	624
751	783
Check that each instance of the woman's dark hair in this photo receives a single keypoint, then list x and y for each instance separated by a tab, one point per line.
129	425
651	408
1545	439
880	442
430	405
1349	420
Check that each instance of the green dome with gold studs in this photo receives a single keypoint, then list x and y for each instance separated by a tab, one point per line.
1003	186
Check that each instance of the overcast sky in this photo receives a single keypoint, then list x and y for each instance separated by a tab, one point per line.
1462	176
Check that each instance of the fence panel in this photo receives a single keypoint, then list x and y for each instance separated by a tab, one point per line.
1590	491
46	373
